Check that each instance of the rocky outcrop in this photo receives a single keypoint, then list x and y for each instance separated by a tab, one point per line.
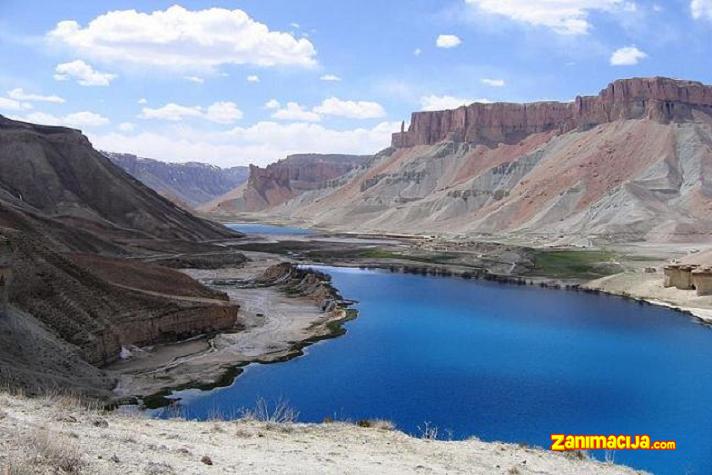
100	305
303	282
284	180
189	184
660	99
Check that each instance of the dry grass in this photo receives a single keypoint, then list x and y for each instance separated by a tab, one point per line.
428	431
280	413
43	448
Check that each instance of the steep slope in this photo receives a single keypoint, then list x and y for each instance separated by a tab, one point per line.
186	184
54	174
632	163
283	180
69	314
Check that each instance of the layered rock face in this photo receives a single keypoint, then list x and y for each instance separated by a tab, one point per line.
283	180
633	163
188	184
660	99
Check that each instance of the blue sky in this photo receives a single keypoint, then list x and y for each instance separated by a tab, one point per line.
238	82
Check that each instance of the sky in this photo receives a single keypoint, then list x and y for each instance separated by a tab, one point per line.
235	82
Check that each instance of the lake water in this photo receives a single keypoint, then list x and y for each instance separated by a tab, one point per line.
499	362
269	229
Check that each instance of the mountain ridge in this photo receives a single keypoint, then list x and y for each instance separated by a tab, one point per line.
188	184
634	164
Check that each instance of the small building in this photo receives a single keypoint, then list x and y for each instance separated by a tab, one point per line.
671	275
679	276
702	280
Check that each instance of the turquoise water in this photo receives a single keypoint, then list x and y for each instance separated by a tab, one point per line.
257	228
499	362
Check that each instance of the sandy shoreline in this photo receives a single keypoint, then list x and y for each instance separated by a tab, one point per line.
271	327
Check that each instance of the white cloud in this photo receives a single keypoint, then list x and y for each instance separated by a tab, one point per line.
447	41
493	82
351	109
143	100
260	143
223	113
182	38
13	105
172	111
628	56
272	104
75	119
219	112
294	111
19	94
330	77
253	78
701	9
195	79
417	51
437	103
566	17
83	73
127	127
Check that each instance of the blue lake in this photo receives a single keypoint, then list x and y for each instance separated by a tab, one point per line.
258	228
499	362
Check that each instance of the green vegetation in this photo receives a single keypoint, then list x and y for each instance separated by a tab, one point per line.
574	264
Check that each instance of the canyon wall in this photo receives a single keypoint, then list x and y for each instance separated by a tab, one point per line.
660	99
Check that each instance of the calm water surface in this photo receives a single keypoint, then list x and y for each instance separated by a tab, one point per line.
258	228
499	362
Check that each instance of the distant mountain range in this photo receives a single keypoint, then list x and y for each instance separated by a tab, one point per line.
632	163
188	184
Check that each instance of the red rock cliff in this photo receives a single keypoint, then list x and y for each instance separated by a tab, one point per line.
659	99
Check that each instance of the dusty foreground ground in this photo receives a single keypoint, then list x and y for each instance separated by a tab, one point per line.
55	435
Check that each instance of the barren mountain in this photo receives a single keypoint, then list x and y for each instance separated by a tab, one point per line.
54	182
632	163
71	313
283	180
186	184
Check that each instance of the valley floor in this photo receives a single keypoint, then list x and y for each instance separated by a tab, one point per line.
57	435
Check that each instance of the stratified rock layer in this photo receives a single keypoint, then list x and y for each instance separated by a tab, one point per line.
660	99
633	163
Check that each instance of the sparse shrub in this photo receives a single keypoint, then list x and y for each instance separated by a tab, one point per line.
281	413
376	424
577	454
428	431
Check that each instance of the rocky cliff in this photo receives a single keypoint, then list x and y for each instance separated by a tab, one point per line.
187	184
632	163
659	99
283	180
